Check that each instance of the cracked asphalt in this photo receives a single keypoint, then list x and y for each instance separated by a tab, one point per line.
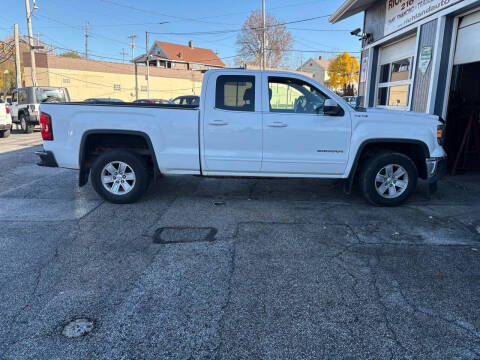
234	269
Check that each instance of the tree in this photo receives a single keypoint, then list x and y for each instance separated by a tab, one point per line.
343	71
279	41
71	54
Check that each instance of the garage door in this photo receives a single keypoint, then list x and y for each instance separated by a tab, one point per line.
468	40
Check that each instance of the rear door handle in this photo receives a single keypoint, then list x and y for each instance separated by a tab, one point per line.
218	123
277	124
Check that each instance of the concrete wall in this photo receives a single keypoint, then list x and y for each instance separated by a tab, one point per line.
421	84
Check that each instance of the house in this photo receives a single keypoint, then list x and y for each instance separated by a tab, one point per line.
186	57
318	67
422	56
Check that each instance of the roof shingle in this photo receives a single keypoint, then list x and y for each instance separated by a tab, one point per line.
190	54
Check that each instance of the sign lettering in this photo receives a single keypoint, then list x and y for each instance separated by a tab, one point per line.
401	13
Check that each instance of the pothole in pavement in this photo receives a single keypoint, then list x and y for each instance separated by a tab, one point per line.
77	328
174	235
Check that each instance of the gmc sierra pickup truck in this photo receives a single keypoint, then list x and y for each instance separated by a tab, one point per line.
248	124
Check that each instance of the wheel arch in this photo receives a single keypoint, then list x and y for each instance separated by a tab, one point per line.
92	139
417	150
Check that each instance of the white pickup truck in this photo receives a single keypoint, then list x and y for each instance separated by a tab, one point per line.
249	124
5	120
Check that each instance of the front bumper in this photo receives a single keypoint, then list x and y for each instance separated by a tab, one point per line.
46	159
436	169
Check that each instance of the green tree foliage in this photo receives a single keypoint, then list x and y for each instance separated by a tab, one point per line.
71	54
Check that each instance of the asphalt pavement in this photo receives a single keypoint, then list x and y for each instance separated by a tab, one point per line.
233	269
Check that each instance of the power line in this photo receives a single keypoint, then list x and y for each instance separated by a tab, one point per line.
215	32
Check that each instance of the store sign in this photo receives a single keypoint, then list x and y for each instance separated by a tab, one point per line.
401	13
425	58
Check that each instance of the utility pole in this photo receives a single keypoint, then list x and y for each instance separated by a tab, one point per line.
86	39
123	55
148	65
30	39
132	45
18	69
264	55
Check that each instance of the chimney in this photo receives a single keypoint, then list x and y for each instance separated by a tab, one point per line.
190	44
320	58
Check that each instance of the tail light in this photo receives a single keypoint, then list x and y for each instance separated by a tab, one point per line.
46	126
440	134
7	109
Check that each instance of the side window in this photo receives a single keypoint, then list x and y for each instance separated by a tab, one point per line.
289	95
22	97
236	93
14	97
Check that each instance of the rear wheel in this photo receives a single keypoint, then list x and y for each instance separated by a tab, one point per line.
26	127
4	134
120	176
388	179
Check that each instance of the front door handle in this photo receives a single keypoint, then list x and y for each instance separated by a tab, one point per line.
218	123
277	124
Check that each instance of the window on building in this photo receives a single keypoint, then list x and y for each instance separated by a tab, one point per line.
235	93
143	88
394	83
66	81
289	95
116	87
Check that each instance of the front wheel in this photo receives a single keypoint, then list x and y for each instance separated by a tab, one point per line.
388	179
120	176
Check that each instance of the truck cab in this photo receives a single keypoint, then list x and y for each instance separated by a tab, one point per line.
25	104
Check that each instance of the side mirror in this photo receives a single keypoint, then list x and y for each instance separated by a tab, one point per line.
331	108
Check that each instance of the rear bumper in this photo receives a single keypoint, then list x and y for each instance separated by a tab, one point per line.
46	159
437	168
5	127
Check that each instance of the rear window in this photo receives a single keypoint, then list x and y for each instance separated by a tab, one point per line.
44	94
236	93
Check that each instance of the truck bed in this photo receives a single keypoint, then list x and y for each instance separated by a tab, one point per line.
173	131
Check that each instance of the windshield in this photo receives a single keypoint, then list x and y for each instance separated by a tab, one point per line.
44	94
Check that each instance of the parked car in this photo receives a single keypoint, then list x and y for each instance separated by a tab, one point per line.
5	120
25	104
102	100
352	100
187	100
151	101
253	124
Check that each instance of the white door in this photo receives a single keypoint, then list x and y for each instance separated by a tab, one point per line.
468	40
298	138
232	124
14	106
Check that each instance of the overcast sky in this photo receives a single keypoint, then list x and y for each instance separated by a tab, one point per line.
210	24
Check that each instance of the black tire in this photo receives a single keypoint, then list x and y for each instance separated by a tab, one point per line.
372	167
4	134
26	127
135	162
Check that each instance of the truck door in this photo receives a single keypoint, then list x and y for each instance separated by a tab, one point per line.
232	124
297	137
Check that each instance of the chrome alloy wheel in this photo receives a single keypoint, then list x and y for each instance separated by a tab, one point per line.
118	178
391	181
